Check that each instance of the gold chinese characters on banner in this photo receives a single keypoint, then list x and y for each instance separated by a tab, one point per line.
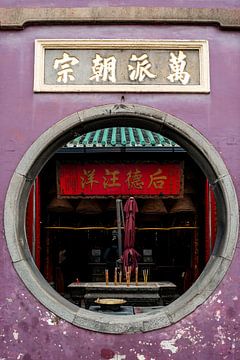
121	65
104	179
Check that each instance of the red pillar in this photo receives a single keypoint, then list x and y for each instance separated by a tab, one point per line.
33	221
210	221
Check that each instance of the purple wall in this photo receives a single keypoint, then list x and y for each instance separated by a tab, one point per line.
99	3
28	331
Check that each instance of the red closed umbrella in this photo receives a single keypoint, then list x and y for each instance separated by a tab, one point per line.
130	255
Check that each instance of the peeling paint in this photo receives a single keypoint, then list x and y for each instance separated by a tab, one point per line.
221	334
169	345
145	343
51	322
215	297
218	315
15	335
118	357
51	319
140	357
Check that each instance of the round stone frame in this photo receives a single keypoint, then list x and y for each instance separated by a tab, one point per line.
199	149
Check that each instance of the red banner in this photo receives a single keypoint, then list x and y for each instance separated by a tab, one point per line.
103	179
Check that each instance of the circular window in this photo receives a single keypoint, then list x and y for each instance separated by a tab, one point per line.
82	122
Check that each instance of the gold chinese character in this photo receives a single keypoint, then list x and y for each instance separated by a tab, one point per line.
66	72
104	69
134	179
89	178
140	70
157	180
111	179
177	66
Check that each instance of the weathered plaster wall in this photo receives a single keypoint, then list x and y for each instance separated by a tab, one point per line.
28	331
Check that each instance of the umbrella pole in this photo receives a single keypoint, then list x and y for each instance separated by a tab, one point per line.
119	230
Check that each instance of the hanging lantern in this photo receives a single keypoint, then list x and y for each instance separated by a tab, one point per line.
183	205
88	207
154	207
60	205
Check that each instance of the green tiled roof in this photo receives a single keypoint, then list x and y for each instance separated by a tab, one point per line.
120	137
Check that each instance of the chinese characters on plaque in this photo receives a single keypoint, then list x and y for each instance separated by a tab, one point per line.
114	179
104	69
110	65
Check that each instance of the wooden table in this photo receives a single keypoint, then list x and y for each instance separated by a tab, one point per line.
150	294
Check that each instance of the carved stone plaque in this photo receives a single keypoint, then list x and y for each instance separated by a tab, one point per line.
121	66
